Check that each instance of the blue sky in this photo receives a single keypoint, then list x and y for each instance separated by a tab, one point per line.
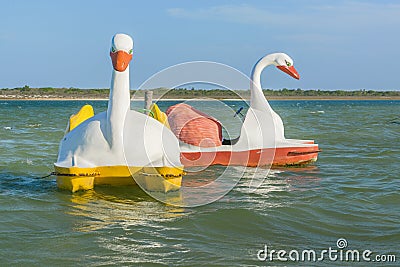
334	44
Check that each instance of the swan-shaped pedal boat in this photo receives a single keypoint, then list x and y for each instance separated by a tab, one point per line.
261	141
118	144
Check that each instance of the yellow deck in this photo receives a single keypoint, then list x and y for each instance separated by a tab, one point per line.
161	179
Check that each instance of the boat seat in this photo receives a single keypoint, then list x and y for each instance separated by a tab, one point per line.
157	114
83	114
193	126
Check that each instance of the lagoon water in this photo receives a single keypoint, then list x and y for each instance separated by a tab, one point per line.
352	192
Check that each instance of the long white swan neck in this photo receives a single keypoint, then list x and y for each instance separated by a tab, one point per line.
257	98
118	106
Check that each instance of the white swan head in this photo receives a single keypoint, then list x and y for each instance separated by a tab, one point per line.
285	64
121	51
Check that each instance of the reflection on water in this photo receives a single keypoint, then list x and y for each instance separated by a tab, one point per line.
128	206
282	179
122	206
301	178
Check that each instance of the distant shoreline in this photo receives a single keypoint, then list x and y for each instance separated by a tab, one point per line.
283	98
179	94
49	93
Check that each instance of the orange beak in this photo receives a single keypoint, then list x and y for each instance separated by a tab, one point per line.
290	70
120	60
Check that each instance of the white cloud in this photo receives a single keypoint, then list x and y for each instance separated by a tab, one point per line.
336	22
239	14
6	37
342	14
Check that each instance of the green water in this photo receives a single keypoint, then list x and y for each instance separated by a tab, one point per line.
352	192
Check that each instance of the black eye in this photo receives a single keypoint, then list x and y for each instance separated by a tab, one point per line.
113	49
288	63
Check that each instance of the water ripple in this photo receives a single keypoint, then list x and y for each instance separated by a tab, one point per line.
351	192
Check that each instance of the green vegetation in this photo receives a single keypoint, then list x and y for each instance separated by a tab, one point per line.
184	93
335	93
49	92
